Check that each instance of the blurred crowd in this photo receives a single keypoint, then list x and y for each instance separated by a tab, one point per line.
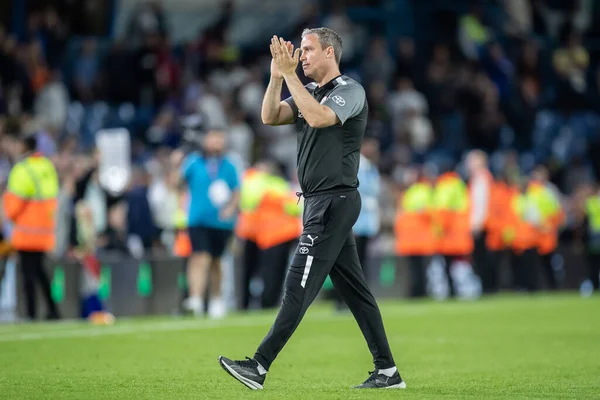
515	79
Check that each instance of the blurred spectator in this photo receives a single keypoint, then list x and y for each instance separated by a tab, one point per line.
45	137
378	64
480	107
279	143
163	196
164	130
168	73
37	66
499	68
511	171
406	65
527	64
309	18
11	126
473	33
218	31
520	20
521	111
87	187
380	118
54	34
251	94
147	19
140	220
439	86
577	174
114	238
339	21
558	13
406	98
570	63
240	140
594	92
377	99
228	78
86	72
147	63
211	106
368	224
409	113
120	78
51	104
16	78
192	92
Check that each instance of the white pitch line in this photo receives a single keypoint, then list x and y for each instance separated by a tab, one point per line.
85	332
162	326
81	330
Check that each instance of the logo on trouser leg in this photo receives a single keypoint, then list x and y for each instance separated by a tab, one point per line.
307	244
312	241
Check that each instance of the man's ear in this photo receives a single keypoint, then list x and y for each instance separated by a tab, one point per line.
330	52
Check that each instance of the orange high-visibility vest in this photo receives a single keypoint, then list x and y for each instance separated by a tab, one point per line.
413	226
523	233
279	219
248	221
500	197
30	202
548	241
547	238
451	216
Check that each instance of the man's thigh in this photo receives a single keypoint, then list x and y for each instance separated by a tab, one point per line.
218	240
328	222
199	238
347	268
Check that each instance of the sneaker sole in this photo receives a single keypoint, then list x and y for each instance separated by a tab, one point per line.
401	385
247	382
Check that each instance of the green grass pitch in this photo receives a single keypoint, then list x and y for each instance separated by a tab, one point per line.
509	347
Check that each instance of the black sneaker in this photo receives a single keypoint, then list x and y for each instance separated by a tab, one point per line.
381	381
245	371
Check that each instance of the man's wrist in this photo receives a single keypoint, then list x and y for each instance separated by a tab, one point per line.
289	75
277	78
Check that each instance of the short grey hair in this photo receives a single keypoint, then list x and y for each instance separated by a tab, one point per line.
327	37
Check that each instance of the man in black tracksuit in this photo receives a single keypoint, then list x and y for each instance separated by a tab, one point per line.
331	117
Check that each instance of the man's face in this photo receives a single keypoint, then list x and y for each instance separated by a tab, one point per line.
539	175
472	163
313	56
214	141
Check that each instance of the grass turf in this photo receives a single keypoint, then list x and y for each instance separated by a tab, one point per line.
512	347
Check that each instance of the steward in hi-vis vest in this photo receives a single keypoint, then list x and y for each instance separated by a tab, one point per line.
30	203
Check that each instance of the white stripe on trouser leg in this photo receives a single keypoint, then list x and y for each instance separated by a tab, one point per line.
306	270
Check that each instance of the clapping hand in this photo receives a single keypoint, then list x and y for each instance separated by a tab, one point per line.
285	58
